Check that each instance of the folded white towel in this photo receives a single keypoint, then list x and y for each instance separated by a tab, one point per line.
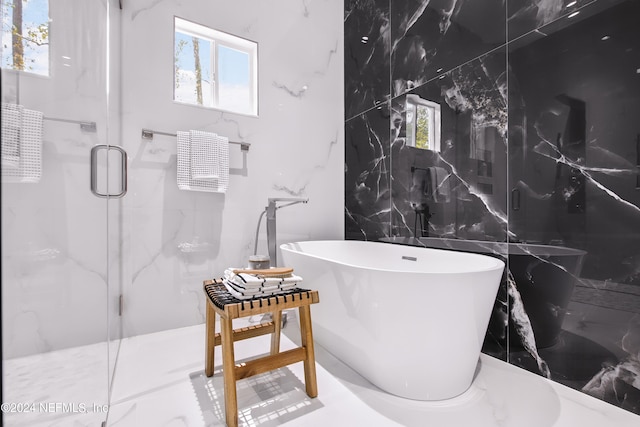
248	294
204	155
11	123
21	144
247	281
203	161
222	162
263	290
258	280
184	160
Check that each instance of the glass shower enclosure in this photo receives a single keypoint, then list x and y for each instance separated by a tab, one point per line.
63	182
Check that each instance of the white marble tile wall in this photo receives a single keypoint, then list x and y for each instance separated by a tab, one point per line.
54	234
54	237
174	239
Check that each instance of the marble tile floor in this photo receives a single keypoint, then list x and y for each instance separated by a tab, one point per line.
38	385
160	382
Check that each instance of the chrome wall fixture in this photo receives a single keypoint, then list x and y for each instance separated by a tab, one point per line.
84	125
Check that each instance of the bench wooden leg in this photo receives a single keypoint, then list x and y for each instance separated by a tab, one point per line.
210	334
275	336
306	335
229	371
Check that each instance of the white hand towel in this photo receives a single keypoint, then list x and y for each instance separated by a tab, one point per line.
22	148
184	160
209	176
205	156
222	163
11	123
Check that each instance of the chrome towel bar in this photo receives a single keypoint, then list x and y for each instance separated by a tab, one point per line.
148	134
84	125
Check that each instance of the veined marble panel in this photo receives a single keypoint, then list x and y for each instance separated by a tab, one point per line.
180	238
367	175
54	252
527	15
473	155
429	38
572	133
367	46
573	95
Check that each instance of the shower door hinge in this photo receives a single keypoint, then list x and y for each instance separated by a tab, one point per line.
120	305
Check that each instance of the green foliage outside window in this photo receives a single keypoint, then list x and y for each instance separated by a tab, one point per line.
422	127
25	35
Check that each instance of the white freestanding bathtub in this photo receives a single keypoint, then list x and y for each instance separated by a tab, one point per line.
411	320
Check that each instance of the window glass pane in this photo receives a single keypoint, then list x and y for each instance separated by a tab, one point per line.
215	69
410	125
192	70
25	35
234	80
423	123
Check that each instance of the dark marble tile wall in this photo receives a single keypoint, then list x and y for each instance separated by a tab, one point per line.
572	96
432	37
574	99
539	143
524	16
366	55
473	117
367	175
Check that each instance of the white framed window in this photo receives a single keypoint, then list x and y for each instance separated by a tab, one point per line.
423	122
214	69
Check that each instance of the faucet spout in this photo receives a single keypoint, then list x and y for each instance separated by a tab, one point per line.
271	209
290	201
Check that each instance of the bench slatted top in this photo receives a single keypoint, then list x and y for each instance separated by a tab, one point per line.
229	306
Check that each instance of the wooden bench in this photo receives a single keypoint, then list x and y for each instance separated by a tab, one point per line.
225	305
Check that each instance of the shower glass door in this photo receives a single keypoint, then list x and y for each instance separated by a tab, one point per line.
60	242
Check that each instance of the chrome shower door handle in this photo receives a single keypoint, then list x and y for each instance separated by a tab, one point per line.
123	171
94	171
